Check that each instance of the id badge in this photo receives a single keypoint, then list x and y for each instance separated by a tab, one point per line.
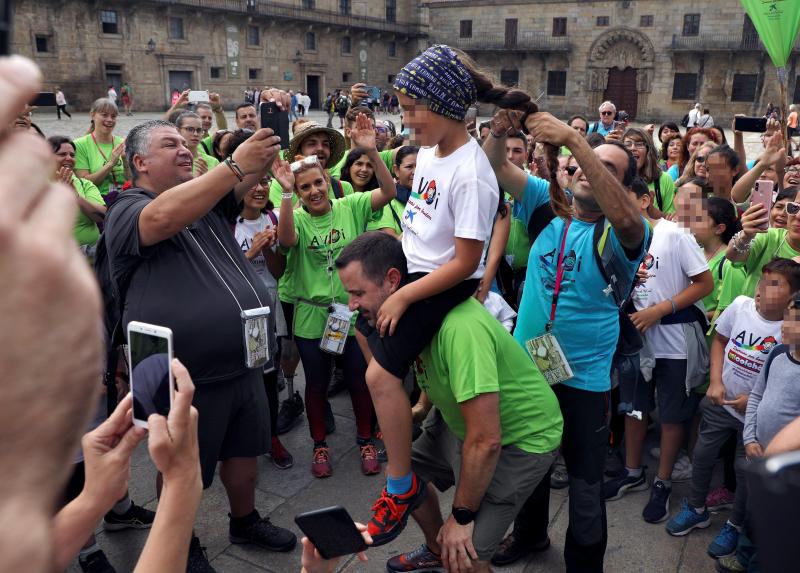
546	353
336	328
255	329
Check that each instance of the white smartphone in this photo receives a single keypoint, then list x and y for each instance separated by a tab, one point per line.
198	96
150	358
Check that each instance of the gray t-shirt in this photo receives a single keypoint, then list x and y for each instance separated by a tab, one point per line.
172	284
773	402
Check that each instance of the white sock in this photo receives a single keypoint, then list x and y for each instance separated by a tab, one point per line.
86	551
666	482
122	506
736	527
633	472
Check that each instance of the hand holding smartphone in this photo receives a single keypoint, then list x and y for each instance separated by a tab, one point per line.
198	96
275	119
751	124
150	356
332	531
763	195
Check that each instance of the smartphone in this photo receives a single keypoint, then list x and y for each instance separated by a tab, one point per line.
275	119
332	531
198	96
752	124
374	92
472	114
150	357
617	125
43	99
762	194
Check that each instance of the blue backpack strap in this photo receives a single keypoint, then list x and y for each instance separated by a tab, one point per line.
778	350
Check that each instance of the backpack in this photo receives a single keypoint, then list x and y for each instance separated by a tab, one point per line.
780	349
342	104
657	189
593	128
620	286
685	121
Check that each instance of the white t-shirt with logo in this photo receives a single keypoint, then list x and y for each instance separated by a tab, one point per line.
453	196
751	337
674	256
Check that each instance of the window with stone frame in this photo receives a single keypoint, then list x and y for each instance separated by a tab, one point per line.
344	7
691	24
254	73
557	83
109	22
347	77
176	28
465	29
602	21
347	45
391	49
509	78
311	42
559	26
391	10
216	72
42	44
684	86
646	21
744	87
253	36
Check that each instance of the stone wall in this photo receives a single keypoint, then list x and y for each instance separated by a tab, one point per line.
83	60
591	47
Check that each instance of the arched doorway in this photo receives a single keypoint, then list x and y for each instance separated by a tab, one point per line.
621	69
621	89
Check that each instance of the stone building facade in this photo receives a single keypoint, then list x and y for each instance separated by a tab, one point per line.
654	58
219	45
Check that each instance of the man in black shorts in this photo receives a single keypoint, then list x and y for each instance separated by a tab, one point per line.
176	263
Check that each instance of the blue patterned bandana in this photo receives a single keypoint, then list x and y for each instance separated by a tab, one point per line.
438	76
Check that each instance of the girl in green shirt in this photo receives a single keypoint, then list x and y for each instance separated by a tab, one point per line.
190	126
640	144
313	236
99	153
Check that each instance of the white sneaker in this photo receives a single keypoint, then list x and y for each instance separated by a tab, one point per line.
655	452
682	471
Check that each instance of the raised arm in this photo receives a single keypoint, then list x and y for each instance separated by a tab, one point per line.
608	191
771	156
754	221
511	178
180	206
363	135
282	173
179	103
219	114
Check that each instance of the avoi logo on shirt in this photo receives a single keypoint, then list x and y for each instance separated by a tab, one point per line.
333	237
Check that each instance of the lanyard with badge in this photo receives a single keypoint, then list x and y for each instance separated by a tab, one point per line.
337	325
254	321
544	349
114	185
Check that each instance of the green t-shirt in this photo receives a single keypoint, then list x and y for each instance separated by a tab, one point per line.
211	162
473	354
85	230
667	190
388	218
519	244
90	156
275	191
766	246
207	145
316	236
387	155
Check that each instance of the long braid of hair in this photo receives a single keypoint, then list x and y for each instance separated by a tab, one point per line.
511	98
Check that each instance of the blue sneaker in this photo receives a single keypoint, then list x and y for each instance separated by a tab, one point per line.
724	543
687	519
657	509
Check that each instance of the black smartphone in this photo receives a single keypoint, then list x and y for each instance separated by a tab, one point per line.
332	531
43	99
275	119
751	124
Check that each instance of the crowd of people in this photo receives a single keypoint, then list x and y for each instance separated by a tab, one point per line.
444	274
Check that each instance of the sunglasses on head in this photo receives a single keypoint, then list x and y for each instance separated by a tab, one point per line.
308	161
700	159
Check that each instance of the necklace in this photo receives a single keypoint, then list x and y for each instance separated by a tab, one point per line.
715	253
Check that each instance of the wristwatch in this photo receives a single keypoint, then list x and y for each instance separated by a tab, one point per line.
464	515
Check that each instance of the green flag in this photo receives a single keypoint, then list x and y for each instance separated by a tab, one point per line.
776	22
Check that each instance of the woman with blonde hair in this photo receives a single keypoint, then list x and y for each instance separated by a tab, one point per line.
99	155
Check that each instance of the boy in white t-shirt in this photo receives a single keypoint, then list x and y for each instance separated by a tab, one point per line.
672	324
747	331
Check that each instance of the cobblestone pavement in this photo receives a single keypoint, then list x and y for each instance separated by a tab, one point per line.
633	545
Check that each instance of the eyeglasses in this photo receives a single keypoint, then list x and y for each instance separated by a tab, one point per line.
606	113
193	130
700	158
630	144
307	162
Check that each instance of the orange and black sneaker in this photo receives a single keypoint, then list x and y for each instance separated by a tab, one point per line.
321	464
369	459
392	511
420	559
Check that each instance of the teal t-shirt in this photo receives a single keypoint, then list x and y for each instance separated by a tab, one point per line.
518	247
586	323
473	354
